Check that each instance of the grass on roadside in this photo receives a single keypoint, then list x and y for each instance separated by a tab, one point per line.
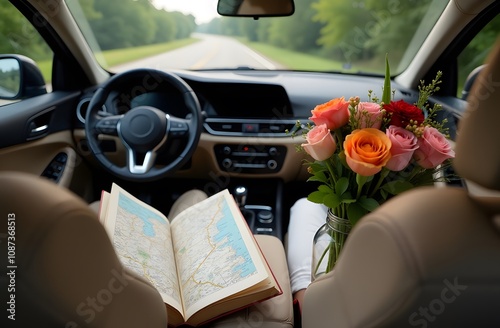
298	61
120	56
295	60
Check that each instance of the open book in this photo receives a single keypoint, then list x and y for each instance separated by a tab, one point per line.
205	262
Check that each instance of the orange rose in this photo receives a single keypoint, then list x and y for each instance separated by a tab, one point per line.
367	151
334	113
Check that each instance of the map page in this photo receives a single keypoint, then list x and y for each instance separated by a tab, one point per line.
215	252
142	239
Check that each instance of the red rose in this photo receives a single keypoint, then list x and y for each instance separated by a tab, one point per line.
402	112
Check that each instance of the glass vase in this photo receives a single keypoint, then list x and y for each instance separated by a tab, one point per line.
328	243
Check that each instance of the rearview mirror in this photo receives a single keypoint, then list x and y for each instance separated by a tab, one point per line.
256	8
20	78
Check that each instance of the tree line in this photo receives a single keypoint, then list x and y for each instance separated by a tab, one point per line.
131	23
115	23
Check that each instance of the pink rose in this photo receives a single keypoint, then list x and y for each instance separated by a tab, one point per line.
433	149
334	113
320	143
369	115
404	143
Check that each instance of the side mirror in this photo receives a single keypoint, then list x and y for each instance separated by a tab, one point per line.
20	78
256	8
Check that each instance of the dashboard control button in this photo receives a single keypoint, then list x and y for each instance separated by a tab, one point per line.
272	164
265	216
227	163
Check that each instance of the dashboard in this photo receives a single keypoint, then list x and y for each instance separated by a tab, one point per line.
247	116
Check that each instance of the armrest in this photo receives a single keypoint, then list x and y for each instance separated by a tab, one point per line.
276	312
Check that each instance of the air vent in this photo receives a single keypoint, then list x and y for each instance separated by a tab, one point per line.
81	109
248	127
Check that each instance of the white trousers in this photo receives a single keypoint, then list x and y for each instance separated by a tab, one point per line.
305	219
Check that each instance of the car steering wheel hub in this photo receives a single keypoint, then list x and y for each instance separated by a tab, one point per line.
143	128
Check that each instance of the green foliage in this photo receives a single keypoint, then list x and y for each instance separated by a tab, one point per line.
121	24
475	53
18	36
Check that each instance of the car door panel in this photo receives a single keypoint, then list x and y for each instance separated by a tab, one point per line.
36	117
36	137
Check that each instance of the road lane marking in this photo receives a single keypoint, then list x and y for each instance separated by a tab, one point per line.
205	59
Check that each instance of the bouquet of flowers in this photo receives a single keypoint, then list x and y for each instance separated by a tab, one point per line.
366	152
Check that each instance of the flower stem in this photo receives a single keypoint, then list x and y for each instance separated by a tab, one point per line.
360	181
332	174
340	139
321	260
414	172
383	175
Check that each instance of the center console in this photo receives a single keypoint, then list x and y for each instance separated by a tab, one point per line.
250	158
261	208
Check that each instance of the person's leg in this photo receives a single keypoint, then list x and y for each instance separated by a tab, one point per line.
187	199
305	219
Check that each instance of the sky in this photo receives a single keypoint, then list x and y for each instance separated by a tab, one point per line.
203	10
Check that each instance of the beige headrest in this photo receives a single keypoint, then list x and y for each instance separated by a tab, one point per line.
478	138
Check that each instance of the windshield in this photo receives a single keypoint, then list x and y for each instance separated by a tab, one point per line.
322	35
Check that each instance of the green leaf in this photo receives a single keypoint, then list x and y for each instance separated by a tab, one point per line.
331	200
341	186
325	189
319	176
384	194
368	204
347	198
396	187
317	166
316	197
355	212
386	93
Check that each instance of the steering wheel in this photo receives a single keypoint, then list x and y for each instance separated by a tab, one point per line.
143	130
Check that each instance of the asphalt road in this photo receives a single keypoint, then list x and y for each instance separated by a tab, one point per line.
212	52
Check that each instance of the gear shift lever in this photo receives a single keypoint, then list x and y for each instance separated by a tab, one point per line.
240	195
